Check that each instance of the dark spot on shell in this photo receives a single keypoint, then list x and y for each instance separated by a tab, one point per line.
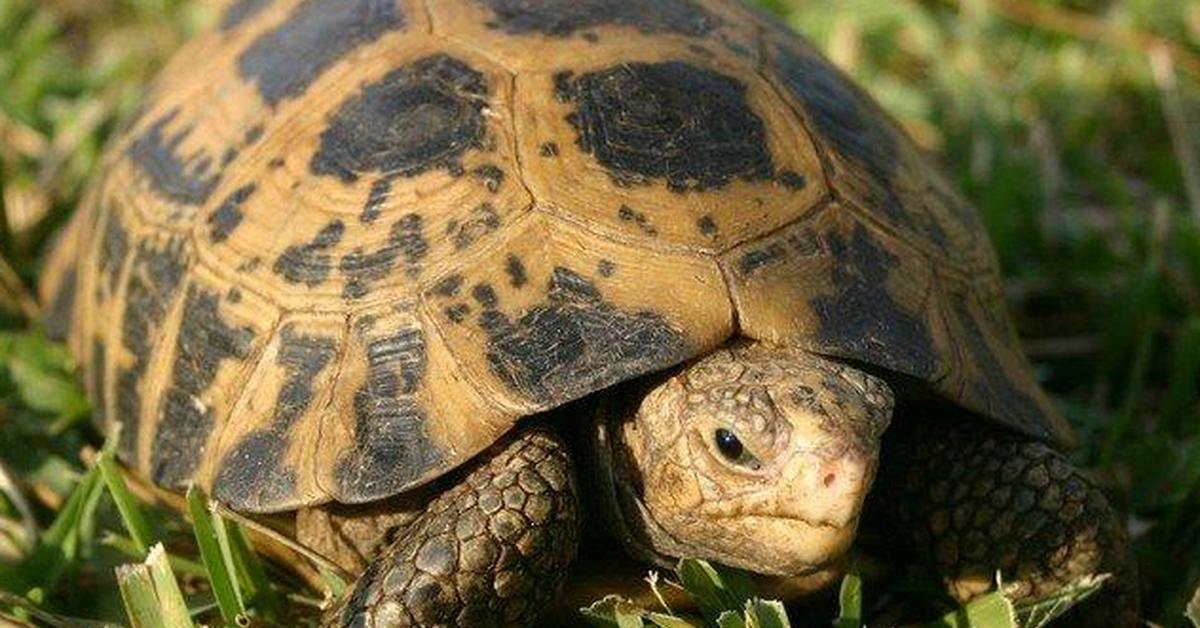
186	180
234	295
252	476
449	286
113	249
405	238
153	282
688	126
311	262
392	447
628	214
240	11
563	18
994	388
793	180
229	215
458	312
205	342
548	149
418	117
860	318
276	163
737	47
491	176
793	243
755	259
606	268
517	276
576	342
284	61
380	190
485	296
99	390
564	90
707	226
228	157
483	221
845	118
253	134
58	318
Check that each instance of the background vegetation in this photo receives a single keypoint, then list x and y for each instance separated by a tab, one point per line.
1073	124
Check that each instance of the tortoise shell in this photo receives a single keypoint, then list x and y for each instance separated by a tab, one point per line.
346	245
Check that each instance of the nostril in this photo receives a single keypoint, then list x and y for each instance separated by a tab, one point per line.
830	478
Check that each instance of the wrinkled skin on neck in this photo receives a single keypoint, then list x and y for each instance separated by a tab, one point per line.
754	457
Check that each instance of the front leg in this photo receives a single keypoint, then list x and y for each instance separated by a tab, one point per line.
970	500
491	550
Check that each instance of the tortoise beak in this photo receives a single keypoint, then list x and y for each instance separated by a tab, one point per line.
829	491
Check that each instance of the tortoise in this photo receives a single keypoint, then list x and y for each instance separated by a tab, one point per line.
362	262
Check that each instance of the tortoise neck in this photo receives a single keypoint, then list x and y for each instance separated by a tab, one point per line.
614	487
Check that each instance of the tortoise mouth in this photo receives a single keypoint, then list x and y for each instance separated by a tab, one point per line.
774	545
756	517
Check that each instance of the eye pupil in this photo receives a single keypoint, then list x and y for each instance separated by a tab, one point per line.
729	445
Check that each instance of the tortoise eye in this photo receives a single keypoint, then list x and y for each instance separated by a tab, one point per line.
729	445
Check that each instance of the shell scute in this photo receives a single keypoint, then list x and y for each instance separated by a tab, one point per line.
410	168
568	318
259	462
153	283
639	155
527	35
876	169
402	412
284	61
208	345
865	296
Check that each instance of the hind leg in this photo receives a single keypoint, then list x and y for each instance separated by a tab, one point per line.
971	501
491	549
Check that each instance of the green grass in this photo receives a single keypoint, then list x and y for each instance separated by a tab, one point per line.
1071	123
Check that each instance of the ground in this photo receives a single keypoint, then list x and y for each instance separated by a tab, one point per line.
1073	124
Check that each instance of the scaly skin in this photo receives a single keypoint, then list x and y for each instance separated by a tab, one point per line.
492	550
970	500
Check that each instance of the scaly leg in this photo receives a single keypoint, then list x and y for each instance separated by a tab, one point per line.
970	500
491	550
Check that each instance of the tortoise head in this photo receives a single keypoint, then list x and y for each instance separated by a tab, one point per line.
755	457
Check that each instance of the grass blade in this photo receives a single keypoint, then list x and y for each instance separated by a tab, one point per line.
43	617
714	590
850	603
988	611
1039	613
179	564
730	619
613	612
220	572
131	514
221	528
59	548
251	573
170	598
137	591
764	614
663	620
1183	388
